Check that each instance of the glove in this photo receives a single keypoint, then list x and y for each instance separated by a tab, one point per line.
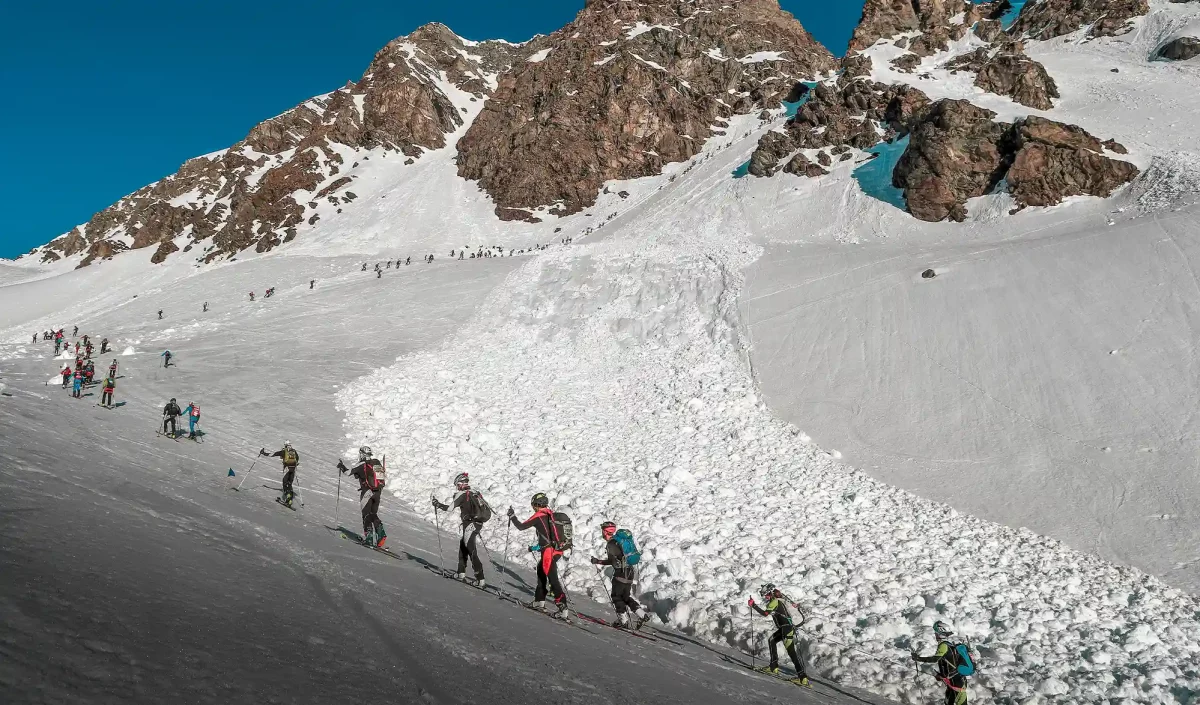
512	513
341	467
750	602
534	548
915	657
262	451
595	560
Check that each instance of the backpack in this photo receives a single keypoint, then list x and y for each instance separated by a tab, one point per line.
961	659
378	474
564	532
481	511
628	547
195	411
290	456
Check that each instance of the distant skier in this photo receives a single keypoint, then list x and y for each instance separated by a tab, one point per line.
311	283
160	314
389	265
192	412
252	297
290	460
364	266
106	398
77	388
166	356
460	254
35	337
66	374
947	659
104	346
371	481
550	545
112	369
785	631
89	372
473	511
623	576
407	261
75	332
205	308
170	412
379	274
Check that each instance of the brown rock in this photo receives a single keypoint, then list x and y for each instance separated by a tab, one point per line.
882	19
823	159
855	65
1180	49
1054	161
165	248
1115	146
612	104
801	166
1047	19
906	62
1010	73
988	30
952	155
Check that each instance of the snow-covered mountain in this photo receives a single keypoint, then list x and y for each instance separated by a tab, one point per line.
706	238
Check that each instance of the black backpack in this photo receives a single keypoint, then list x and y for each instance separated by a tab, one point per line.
564	532
481	511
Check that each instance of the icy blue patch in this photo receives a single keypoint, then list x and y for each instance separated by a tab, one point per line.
742	170
1007	19
875	177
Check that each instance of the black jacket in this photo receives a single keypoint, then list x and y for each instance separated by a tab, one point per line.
540	522
172	409
369	474
622	572
461	502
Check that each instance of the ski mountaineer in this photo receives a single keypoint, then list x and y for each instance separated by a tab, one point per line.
77	389
75	332
473	509
160	314
947	659
542	522
785	631
106	399
371	480
252	296
170	412
104	346
66	373
166	356
205	309
112	369
312	283
290	460
622	579
192	412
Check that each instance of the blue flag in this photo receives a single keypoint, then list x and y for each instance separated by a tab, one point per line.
231	474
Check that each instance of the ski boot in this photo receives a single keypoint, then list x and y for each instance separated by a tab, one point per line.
382	537
770	669
645	617
563	612
461	577
480	583
369	539
801	681
622	621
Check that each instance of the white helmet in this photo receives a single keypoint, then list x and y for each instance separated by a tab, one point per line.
364	452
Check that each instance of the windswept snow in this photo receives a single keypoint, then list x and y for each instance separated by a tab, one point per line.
761	56
540	56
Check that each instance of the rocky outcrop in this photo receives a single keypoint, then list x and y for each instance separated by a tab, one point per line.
1010	73
853	113
953	154
1046	19
855	65
1180	49
883	19
256	192
626	88
988	30
1052	161
957	152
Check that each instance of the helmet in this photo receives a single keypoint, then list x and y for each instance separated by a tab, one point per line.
766	589
287	444
941	629
608	528
173	400
364	452
540	500
462	481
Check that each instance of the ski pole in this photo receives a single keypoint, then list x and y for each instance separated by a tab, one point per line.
600	577
507	533
338	502
239	487
437	522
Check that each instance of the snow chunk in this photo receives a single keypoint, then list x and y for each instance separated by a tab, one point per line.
129	351
605	60
540	56
761	56
641	28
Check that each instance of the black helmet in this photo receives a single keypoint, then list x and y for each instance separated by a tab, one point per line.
540	500
766	590
364	452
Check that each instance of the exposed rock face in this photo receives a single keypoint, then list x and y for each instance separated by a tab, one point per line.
956	152
626	88
851	114
252	194
854	65
882	19
1180	49
988	30
1053	161
1046	19
1011	73
953	154
906	62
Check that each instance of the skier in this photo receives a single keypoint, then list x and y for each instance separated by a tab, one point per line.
106	398
75	332
112	369
364	266
947	659
407	261
104	346
205	309
35	337
371	480
170	412
473	511
77	388
160	314
252	297
290	460
379	274
389	264
166	356
66	373
785	631
192	412
622	580
311	283
89	372
551	547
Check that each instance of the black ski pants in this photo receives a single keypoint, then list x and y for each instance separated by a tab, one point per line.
468	547
370	512
289	476
787	635
622	596
106	397
169	420
547	573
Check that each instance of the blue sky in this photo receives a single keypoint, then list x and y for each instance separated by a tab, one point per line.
103	98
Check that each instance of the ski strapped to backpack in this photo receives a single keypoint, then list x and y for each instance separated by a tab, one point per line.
628	546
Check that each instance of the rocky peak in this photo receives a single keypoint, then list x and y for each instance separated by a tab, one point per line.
1046	19
259	190
883	19
626	88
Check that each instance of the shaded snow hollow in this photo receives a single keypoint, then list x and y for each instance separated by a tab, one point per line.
612	379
